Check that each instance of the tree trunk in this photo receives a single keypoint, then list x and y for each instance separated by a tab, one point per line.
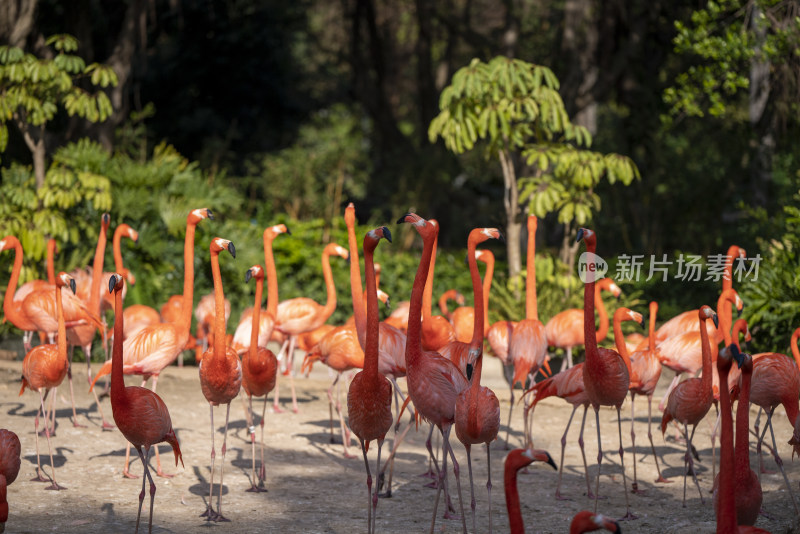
39	162
580	42
513	224
17	21
426	87
760	119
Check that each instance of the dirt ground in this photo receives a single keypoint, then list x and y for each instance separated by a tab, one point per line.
313	488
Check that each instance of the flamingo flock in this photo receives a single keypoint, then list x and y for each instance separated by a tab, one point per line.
441	358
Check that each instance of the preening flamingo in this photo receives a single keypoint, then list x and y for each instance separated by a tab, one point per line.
434	382
220	374
10	449
369	398
477	408
139	413
436	329
516	460
565	329
302	314
690	401
44	368
528	346
259	373
606	373
463	316
586	521
155	347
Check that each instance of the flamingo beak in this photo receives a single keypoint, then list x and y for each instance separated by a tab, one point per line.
209	214
232	249
288	232
715	319
248	275
580	235
402	219
112	282
72	285
387	234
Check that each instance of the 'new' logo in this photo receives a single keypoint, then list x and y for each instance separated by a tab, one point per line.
591	267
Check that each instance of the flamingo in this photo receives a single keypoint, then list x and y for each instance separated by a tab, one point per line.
301	314
528	345
436	329
369	398
45	367
259	373
10	450
586	521
434	382
139	413
123	230
565	329
204	314
450	294
606	373
463	316
477	415
153	348
220	374
645	372
516	460
690	401
748	497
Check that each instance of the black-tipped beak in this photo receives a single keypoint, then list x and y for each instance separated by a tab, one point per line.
737	355
112	282
739	312
466	260
641	322
137	239
232	249
469	371
715	319
106	218
72	285
388	303
387	234
502	238
247	276
209	214
402	219
288	232
580	235
550	462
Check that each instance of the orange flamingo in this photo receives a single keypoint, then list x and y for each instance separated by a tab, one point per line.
450	294
528	346
139	413
463	316
301	314
565	329
606	373
10	449
369	398
516	460
477	408
259	373
645	372
153	348
586	521
690	401
220	374
436	329
434	382
749	496
45	367
123	230
12	306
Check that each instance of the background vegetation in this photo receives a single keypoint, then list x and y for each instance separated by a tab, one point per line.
268	112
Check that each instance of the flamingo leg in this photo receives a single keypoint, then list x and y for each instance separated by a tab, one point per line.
599	456
72	392
87	350
276	408
431	457
375	495
220	517
262	475
489	483
390	462
39	470
690	461
210	514
147	476
54	485
330	410
628	515
581	443
468	447
510	411
290	369
445	449
563	446
714	447
252	431
369	486
159	471
141	494
650	437
779	461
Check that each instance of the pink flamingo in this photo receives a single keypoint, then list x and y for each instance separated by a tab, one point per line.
220	374
516	460
437	331
10	449
586	521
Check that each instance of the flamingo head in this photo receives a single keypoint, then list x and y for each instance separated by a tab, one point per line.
586	521
195	216
254	272
705	312
384	297
115	282
540	455
8	242
105	220
586	235
128	275
423	227
65	280
350	215
219	244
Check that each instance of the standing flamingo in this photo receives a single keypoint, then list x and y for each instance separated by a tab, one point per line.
153	348
220	374
463	316
45	367
302	314
606	373
516	460
434	382
139	413
528	347
10	449
259	373
690	401
437	331
369	399
565	329
477	408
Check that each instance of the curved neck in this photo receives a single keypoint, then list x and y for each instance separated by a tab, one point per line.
62	328
531	310
793	344
742	449
426	301
330	303
726	513
356	291
117	379
8	298
512	500
725	313
706	349
271	273
414	332
602	332
256	317
117	249
219	307
371	334
487	286
477	300
589	332
97	269
447	295
619	339
51	269
185	320
727	277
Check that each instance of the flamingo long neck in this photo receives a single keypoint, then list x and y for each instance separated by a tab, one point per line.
512	500
602	332
651	333
51	268
62	327
185	321
117	379
742	450
589	332
219	309
356	291
330	289
793	344
428	294
791	405
117	248
477	299
725	313
371	334
447	295
8	298
619	339
256	318
726	513
738	327
473	398
487	286
531	309
414	332
272	274
97	269
706	348
727	277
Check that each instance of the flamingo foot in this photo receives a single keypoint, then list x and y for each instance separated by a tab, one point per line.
638	491
76	424
209	514
432	485
256	489
286	371
428	474
664	480
39	477
349	456
763	512
454	516
764	471
628	517
108	426
560	497
128	474
219	518
162	474
277	409
295	409
594	497
54	486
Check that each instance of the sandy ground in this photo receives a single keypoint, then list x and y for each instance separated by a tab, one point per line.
313	488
